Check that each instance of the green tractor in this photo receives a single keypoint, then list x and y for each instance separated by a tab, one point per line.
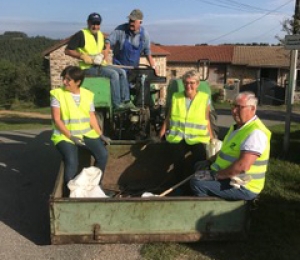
128	124
145	123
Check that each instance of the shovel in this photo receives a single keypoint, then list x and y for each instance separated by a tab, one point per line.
149	194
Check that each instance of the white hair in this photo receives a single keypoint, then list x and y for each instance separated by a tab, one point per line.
250	98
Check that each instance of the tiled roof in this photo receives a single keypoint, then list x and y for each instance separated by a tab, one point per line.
55	47
185	53
159	50
261	56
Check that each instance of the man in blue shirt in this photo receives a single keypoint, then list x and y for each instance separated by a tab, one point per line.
129	40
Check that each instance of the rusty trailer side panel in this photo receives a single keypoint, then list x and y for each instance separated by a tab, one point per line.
139	219
146	220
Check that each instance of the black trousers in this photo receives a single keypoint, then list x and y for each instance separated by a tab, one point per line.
183	165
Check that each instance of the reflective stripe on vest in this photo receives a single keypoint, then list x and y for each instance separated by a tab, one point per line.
232	159
191	125
230	152
76	118
91	47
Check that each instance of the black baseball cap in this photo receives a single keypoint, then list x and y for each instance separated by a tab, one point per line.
94	17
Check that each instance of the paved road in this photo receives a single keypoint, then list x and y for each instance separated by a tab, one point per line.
28	167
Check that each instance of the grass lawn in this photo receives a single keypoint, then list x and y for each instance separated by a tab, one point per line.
20	123
27	118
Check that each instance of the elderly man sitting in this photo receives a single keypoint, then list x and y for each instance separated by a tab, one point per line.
238	170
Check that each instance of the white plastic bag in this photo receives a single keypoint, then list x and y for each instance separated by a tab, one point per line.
86	184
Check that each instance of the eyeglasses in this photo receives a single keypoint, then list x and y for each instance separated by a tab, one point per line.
190	83
239	107
95	23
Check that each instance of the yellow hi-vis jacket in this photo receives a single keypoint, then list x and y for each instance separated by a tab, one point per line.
91	47
191	125
76	118
230	152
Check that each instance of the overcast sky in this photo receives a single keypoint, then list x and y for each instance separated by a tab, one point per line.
169	22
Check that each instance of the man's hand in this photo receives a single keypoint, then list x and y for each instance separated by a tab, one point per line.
86	58
77	140
105	139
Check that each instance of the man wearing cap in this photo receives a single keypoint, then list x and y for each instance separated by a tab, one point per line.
129	40
88	45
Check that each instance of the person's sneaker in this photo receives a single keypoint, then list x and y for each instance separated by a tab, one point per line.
131	106
120	107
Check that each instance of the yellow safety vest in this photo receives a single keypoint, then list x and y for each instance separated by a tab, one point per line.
230	152
191	125
76	118
91	47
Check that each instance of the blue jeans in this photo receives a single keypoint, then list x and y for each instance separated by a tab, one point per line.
69	154
220	188
118	82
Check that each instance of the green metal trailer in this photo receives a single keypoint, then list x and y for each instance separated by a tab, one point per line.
135	167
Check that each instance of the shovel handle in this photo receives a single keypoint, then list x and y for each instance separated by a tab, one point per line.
175	186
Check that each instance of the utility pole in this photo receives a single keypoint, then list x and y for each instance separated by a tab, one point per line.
292	80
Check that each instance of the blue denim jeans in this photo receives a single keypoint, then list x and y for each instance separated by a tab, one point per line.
220	188
118	82
69	154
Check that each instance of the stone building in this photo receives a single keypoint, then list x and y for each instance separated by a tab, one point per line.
184	58
261	69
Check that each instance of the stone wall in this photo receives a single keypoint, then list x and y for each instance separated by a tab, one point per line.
248	75
216	73
242	76
58	61
161	68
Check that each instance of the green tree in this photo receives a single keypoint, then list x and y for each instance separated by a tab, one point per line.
40	82
7	77
23	72
288	26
